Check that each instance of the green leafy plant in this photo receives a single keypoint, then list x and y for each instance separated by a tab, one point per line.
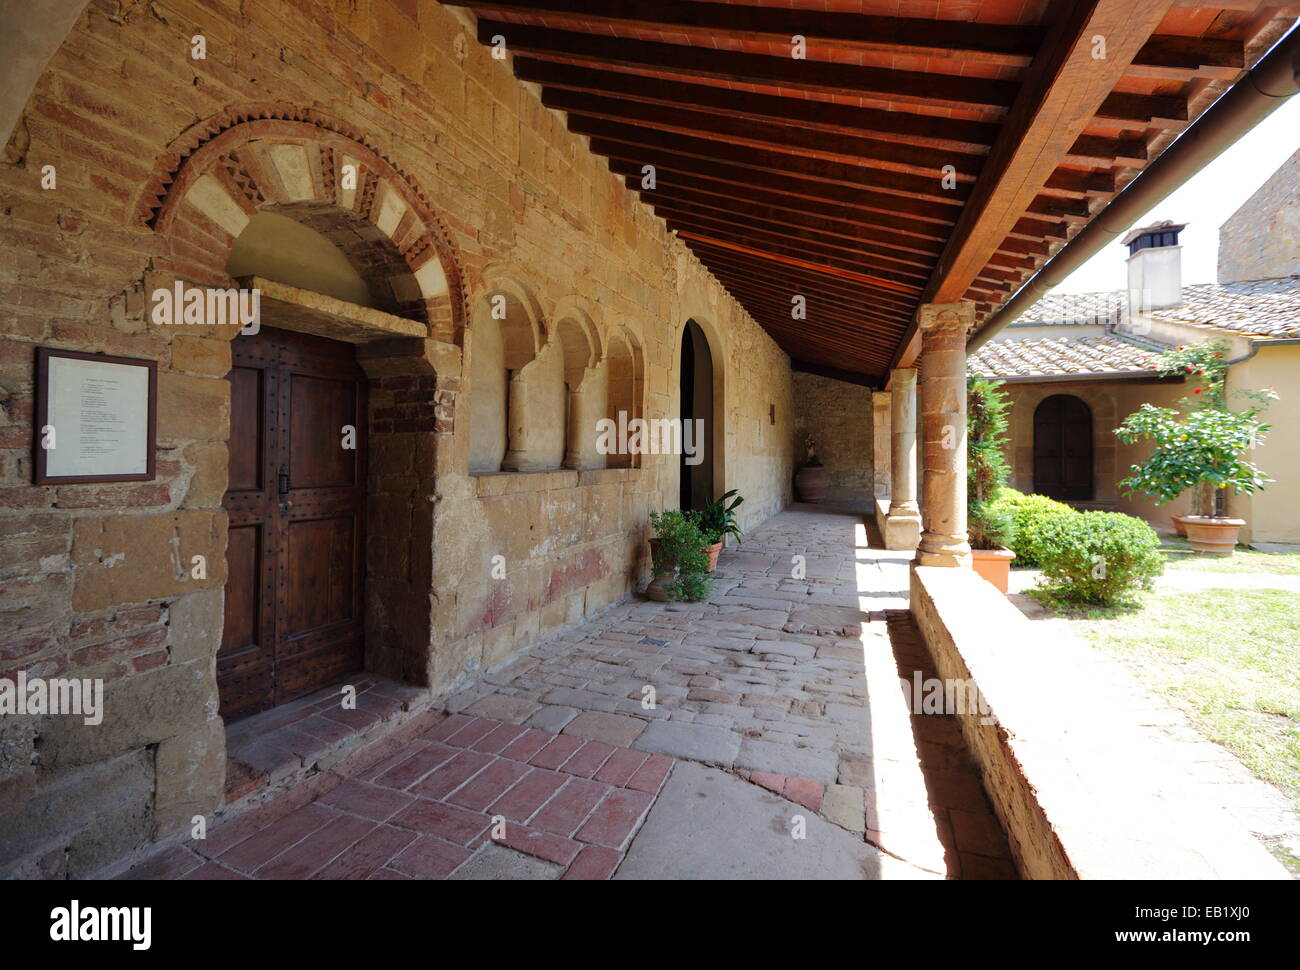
717	520
1202	450
1029	513
1098	557
1203	446
990	526
680	553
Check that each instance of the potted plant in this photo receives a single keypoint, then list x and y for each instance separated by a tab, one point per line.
1202	447
813	478
991	526
679	558
717	520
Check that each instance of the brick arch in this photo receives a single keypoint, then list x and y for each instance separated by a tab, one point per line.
291	160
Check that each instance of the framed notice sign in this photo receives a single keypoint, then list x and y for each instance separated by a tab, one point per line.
96	417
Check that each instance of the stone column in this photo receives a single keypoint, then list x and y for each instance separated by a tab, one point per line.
517	458
587	405
944	327
903	523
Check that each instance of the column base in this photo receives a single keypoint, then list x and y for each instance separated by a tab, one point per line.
942	550
902	530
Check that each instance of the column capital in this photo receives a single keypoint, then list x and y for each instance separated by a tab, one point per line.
947	317
902	379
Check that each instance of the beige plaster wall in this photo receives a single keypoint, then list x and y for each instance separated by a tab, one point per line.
838	415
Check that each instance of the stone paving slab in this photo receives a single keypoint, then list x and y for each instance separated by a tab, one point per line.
709	824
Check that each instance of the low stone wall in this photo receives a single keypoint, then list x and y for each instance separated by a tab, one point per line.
1081	791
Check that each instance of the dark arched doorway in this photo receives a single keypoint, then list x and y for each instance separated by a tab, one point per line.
1063	448
697	408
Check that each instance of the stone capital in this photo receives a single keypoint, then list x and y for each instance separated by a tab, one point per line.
938	318
902	379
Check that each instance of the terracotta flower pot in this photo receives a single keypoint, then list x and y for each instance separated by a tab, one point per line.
714	551
994	565
1213	533
1179	528
811	483
656	590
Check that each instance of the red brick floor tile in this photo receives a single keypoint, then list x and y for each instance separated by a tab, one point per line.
615	818
448	822
260	848
446	778
527	744
805	792
356	718
570	806
587	760
650	776
544	845
472	732
317	850
429	857
593	862
170	864
621	766
525	798
323	727
390	874
489	784
368	855
557	752
213	871
407	773
368	801
498	738
371	772
773	783
444	730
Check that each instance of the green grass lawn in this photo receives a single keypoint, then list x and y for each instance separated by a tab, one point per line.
1230	659
1180	557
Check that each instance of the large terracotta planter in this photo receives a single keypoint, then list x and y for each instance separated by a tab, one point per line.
994	565
1213	534
811	483
1179	528
656	590
714	551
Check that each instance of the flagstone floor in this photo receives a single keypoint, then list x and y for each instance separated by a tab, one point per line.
762	734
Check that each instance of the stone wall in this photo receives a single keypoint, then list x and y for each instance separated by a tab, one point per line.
838	416
1261	240
470	187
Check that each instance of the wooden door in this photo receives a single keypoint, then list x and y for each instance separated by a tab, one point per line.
294	619
1063	449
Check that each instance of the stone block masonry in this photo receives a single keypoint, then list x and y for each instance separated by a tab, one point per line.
838	416
464	185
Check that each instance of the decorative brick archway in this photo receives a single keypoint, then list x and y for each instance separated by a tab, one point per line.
324	174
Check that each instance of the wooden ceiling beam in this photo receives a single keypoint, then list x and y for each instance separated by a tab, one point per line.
850	149
906	233
1063	91
896	244
792	280
913	267
925	187
945	211
818	305
996	43
824	77
785	289
889	277
803	113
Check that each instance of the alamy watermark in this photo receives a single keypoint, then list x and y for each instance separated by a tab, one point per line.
207	306
656	436
36	695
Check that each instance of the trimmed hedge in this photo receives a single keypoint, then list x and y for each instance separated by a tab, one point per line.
1029	513
1097	557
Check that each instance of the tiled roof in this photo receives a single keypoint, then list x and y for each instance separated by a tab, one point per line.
1262	308
1078	309
1266	308
1058	357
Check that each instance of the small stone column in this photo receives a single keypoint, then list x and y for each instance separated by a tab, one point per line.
517	458
586	407
944	327
903	523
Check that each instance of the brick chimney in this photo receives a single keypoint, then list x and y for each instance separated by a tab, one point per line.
1155	270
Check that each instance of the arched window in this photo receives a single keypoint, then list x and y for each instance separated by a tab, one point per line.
504	339
623	399
1063	448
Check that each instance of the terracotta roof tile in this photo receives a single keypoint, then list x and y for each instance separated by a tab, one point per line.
1059	357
